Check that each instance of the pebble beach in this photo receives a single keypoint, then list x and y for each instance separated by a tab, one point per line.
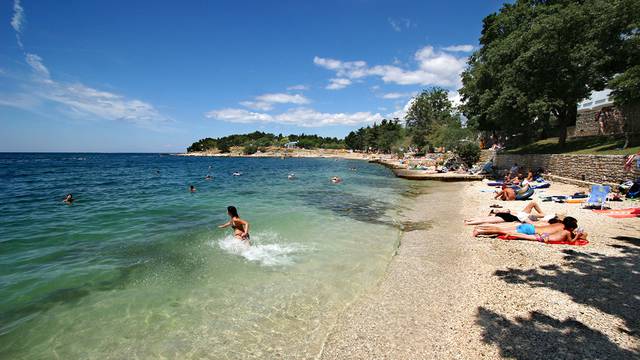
448	295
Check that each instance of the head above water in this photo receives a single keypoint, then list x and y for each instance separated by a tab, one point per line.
232	211
570	223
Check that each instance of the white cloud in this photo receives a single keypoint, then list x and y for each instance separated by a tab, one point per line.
36	64
400	111
435	68
298	116
338	83
460	48
238	116
455	98
18	17
298	87
265	102
401	23
282	98
396	95
80	99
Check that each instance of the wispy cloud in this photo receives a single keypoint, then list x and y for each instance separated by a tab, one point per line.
460	48
18	16
266	102
77	98
338	83
397	95
297	116
399	24
299	87
434	67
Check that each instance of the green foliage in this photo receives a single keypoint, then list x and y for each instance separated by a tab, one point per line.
449	136
264	140
249	149
430	109
381	137
543	57
469	152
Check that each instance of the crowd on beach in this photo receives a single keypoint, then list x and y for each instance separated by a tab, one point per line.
532	222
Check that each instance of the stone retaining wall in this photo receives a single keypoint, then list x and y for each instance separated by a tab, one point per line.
591	168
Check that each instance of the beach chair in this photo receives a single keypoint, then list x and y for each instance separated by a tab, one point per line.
598	196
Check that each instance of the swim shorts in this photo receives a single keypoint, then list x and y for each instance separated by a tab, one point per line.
526	229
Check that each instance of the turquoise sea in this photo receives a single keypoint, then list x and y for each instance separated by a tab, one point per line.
136	267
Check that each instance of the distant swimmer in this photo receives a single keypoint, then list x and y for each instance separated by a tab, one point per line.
208	177
291	176
240	227
353	169
237	173
336	180
69	199
192	188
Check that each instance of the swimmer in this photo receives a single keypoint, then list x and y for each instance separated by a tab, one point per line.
237	173
208	177
192	188
68	199
336	180
291	176
240	227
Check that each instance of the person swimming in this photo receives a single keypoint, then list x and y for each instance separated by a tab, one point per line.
291	176
192	188
240	227
336	180
237	173
68	199
208	177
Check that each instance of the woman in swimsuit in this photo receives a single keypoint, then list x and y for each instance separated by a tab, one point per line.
240	227
568	223
506	216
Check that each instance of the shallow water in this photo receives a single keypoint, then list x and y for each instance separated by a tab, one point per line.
136	267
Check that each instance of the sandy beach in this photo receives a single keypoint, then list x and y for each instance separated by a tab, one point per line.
451	296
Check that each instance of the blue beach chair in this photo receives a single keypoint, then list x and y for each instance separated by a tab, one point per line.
598	196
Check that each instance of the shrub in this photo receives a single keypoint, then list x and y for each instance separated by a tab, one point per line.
469	152
250	149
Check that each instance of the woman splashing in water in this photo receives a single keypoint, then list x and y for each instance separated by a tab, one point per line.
240	227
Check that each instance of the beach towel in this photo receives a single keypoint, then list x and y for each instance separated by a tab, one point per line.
620	213
576	243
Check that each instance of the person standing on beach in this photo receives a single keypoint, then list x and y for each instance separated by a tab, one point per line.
240	227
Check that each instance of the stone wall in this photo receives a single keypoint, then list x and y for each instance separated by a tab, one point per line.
591	168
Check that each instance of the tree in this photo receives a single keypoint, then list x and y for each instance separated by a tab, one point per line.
430	108
542	57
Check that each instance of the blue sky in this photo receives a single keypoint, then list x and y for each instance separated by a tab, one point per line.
154	76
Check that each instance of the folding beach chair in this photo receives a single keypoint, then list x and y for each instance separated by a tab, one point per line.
598	196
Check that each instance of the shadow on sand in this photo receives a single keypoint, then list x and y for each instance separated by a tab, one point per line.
610	284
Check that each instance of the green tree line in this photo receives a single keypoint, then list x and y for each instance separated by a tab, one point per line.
260	140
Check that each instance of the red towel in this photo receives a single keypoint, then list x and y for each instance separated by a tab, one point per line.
577	243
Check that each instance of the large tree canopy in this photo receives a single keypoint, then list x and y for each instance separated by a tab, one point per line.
541	57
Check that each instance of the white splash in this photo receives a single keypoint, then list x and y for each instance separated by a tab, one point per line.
265	249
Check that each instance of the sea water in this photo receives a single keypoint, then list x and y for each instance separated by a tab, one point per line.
137	267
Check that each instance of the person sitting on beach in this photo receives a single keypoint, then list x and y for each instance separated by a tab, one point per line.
336	180
502	216
506	193
528	180
568	223
240	227
192	188
68	199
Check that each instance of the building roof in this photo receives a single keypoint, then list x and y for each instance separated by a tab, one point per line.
597	98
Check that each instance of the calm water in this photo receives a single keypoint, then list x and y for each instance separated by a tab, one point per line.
136	267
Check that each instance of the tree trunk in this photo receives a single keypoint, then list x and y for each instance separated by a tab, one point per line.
567	116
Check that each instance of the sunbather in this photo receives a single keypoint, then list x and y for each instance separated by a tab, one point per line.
502	216
506	193
561	235
567	223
